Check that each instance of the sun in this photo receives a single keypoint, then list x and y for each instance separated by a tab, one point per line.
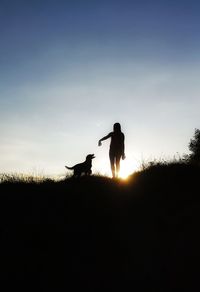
127	168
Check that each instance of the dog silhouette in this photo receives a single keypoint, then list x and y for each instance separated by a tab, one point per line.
84	167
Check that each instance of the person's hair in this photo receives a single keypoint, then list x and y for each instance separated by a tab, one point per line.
117	127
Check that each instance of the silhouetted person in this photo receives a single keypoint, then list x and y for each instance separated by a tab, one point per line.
116	148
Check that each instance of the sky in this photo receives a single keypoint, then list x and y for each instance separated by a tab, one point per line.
70	69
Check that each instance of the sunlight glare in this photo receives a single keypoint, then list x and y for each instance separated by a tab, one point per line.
127	168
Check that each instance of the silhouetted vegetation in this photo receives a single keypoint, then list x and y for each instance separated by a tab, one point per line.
194	147
98	234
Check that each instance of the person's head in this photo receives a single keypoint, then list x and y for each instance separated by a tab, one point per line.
117	127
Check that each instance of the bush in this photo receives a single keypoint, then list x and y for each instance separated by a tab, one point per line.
194	147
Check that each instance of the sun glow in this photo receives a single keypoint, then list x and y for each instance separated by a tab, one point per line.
126	169
127	166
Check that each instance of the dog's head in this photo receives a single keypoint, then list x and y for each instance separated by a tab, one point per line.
90	157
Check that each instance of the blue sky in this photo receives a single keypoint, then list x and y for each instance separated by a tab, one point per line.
70	69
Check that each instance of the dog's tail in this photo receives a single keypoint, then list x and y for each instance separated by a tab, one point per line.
71	168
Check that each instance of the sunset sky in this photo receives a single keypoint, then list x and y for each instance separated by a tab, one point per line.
70	69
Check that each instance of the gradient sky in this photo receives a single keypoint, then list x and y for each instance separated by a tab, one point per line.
70	69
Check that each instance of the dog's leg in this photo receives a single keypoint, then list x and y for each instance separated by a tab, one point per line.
89	172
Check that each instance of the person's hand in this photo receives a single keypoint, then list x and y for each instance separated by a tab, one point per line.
99	144
123	156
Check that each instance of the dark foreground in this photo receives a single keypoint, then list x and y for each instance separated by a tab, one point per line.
95	234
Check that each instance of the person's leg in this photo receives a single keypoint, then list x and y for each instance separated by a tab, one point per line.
118	157
112	163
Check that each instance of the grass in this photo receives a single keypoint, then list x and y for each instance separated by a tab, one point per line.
99	234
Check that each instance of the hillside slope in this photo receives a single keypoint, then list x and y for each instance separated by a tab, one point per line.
97	234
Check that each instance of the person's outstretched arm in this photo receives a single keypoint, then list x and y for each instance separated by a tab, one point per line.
104	138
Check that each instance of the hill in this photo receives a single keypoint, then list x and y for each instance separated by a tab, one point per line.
98	234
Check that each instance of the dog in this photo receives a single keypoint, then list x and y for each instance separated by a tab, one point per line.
84	167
